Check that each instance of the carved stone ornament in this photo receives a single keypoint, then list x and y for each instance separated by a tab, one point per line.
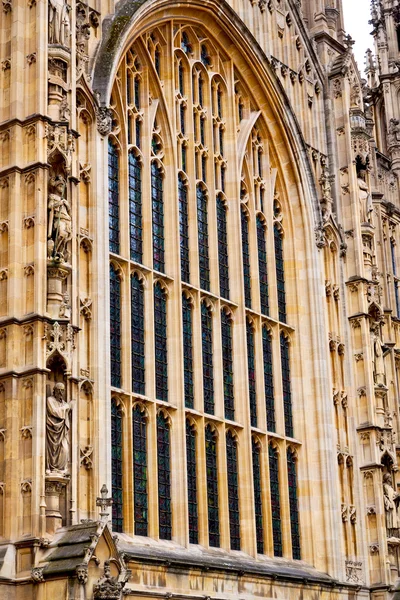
104	120
59	139
58	417
353	571
108	587
82	573
7	6
37	574
86	458
60	339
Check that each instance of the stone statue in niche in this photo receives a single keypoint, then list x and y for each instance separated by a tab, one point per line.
59	22
65	307
60	223
58	415
379	362
391	500
394	132
364	196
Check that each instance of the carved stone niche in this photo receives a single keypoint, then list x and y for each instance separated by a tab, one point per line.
58	84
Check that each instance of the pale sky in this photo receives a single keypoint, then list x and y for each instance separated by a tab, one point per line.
356	17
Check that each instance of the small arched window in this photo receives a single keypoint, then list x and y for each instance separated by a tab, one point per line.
113	197
160	342
293	504
116	467
202	224
223	259
246	258
137	335
251	373
286	385
275	499
188	351
164	477
115	327
227	365
262	266
135	208
268	379
212	487
192	483
233	490
140	483
184	228
207	351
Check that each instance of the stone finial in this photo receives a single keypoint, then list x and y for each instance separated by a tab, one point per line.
104	502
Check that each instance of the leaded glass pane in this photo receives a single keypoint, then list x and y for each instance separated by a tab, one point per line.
233	491
202	224
268	379
116	467
188	352
192	483
227	365
275	500
115	327
286	385
223	260
140	471
164	478
184	229
160	343
212	487
157	196
280	273
246	259
207	351
135	208
262	267
252	374
258	497
137	335
113	197
293	505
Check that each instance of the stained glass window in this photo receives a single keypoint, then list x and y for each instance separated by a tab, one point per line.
252	373
293	504
138	132
181	77
275	500
137	335
115	327
164	477
135	208
395	278
212	487
160	342
201	90
157	196
140	471
268	379
227	365
116	467
262	267
192	483
185	43
280	273
223	260
113	197
246	259
233	491
205	57
207	351
258	512
202	224
188	351
137	92
184	228
286	385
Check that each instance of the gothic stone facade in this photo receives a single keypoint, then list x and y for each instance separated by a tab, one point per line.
199	301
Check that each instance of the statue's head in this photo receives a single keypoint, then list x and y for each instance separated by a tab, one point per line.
387	478
59	390
362	173
58	184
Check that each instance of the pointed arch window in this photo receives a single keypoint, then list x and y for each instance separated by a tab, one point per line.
246	258
262	266
202	224
160	342
184	228
395	277
113	197
135	208
286	385
157	197
188	351
192	483
293	504
116	467
280	272
207	351
164	477
268	379
227	364
233	490
258	512
212	487
115	327
223	260
137	335
275	499
251	373
140	471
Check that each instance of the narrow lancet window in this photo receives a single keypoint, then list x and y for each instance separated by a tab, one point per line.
160	342
137	335
246	259
188	351
202	224
115	327
164	477
192	483
116	467
157	197
113	197
135	208
286	385
251	373
184	229
207	351
262	267
140	471
258	512
280	273
212	487
293	504
268	379
233	490
223	261
227	364
275	500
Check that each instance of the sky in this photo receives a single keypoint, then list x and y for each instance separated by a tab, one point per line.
356	17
